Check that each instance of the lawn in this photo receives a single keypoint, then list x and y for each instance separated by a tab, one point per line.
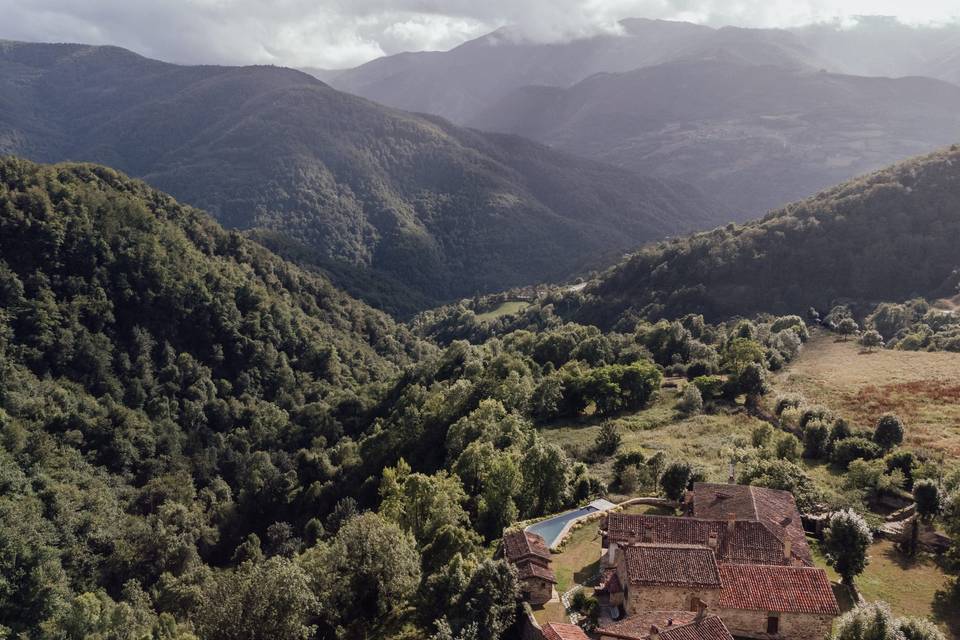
907	584
503	309
922	388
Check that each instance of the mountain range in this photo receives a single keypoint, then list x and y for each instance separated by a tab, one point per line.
374	194
754	136
757	117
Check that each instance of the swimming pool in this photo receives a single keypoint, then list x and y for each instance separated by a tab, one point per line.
552	528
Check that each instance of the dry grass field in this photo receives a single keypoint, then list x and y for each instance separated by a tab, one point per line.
922	388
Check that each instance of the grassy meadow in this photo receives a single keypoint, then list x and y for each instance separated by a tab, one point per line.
922	388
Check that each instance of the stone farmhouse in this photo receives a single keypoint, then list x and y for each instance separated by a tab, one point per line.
740	556
528	552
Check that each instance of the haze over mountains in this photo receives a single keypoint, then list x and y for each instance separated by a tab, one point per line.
438	210
708	106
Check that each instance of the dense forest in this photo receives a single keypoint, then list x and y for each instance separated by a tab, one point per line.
200	439
362	189
888	236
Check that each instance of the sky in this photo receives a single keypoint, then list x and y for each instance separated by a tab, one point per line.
336	34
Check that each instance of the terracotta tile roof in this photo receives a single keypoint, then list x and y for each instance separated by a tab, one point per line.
671	565
776	510
748	542
672	625
707	628
609	582
782	589
518	545
638	626
559	631
531	569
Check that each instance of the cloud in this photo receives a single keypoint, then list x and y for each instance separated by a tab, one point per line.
341	33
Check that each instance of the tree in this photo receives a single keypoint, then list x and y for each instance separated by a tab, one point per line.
847	327
752	382
846	451
675	479
788	447
875	621
872	621
871	340
368	569
845	541
691	402
816	438
926	494
267	600
608	439
546	475
489	600
889	431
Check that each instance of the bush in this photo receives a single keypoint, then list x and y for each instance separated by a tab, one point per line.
709	386
889	432
788	447
791	401
846	451
816	439
676	479
691	402
926	494
608	440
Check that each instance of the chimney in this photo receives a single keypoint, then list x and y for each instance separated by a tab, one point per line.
612	554
712	542
654	632
788	550
732	478
701	610
731	522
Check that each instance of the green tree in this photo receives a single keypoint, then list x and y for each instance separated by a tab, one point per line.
889	431
926	495
845	543
691	402
847	327
270	599
608	439
871	340
676	479
368	569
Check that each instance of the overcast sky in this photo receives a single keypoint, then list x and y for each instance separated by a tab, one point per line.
343	33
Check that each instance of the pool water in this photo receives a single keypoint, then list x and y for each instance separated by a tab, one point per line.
551	528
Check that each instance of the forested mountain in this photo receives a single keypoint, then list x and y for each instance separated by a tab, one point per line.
446	211
755	136
888	236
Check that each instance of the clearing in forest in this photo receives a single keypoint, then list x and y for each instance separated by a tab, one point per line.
922	388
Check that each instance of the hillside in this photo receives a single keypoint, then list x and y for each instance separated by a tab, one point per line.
447	211
757	137
891	235
461	83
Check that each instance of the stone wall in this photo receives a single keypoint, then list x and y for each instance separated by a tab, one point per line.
640	599
793	626
536	591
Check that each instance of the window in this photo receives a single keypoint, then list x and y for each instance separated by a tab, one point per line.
773	624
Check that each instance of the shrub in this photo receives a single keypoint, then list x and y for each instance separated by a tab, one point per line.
709	386
791	401
788	447
926	494
691	402
848	450
889	432
608	440
816	440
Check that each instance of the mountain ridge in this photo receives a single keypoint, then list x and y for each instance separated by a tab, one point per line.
447	210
